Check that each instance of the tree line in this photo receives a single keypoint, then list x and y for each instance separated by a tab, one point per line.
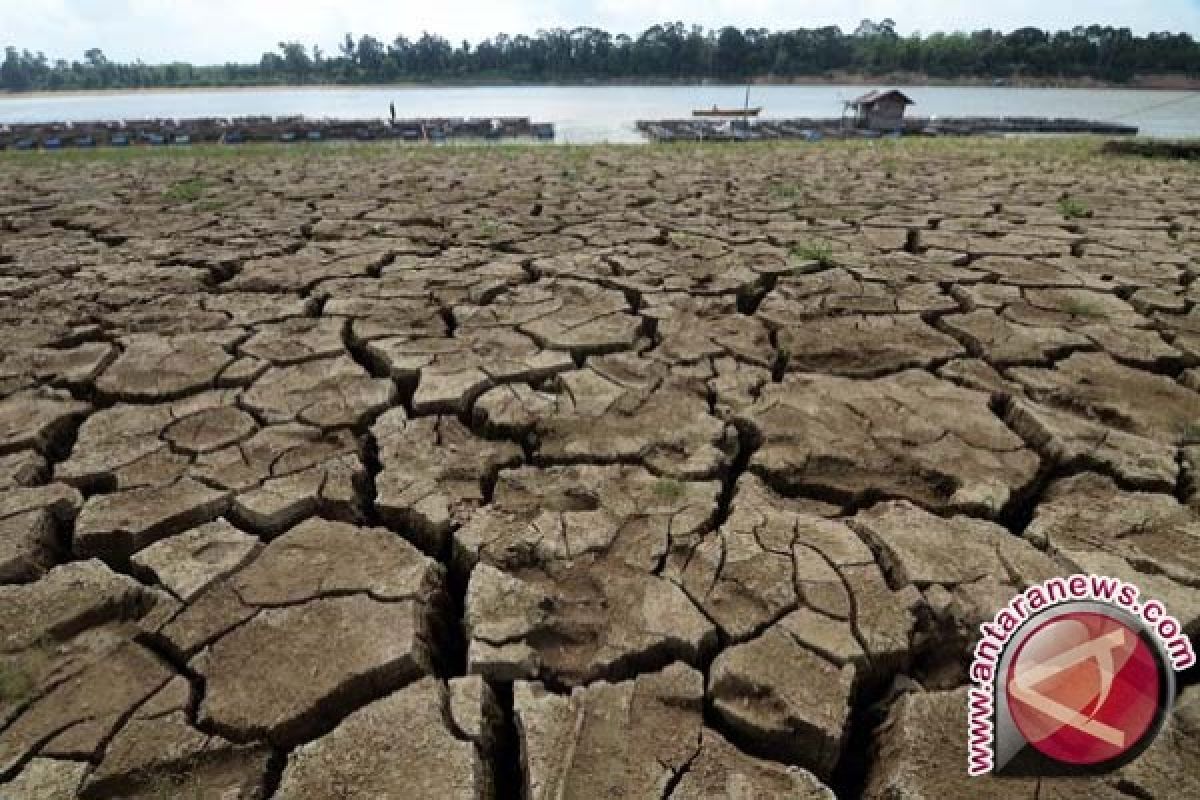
670	52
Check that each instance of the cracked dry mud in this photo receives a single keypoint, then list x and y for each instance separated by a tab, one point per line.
567	473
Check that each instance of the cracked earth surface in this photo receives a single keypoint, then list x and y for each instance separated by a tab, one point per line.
566	473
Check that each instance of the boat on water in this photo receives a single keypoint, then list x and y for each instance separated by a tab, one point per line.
727	112
744	112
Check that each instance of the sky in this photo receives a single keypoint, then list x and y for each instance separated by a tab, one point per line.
216	31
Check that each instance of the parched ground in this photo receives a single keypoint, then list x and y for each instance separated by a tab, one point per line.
577	473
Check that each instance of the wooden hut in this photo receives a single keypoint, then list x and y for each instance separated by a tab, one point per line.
878	111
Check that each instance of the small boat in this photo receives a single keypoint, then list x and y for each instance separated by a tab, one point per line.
744	112
727	112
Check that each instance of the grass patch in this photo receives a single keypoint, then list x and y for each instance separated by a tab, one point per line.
1071	208
575	158
16	683
188	191
786	191
180	785
1055	152
668	489
489	228
212	204
819	251
1190	431
1082	308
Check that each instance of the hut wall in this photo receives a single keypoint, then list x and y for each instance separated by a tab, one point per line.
886	115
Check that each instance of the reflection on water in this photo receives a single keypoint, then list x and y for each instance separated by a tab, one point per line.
596	114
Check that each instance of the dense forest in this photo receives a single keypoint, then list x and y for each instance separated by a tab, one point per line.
671	52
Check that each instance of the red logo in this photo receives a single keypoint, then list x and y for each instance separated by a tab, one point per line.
1084	688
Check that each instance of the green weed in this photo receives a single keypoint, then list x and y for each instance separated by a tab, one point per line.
1082	308
668	489
1071	208
786	191
1189	431
210	204
188	191
817	250
16	683
489	228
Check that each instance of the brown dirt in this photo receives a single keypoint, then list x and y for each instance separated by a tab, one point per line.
634	472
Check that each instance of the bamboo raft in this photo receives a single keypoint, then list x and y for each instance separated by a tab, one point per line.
727	112
1188	150
239	130
813	129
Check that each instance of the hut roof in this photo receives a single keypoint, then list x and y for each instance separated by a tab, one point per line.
873	97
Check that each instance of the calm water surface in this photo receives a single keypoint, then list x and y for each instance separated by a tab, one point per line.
598	114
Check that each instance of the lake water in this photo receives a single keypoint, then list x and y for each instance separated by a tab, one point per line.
599	114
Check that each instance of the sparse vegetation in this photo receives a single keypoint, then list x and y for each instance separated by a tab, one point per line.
1082	308
1072	208
176	786
668	489
575	158
1189	431
16	683
819	251
489	228
786	191
685	239
188	191
210	204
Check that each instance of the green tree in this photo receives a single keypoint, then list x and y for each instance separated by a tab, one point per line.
670	50
295	59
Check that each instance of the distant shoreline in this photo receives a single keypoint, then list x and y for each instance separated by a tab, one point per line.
903	80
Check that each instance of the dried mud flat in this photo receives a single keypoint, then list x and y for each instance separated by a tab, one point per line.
565	473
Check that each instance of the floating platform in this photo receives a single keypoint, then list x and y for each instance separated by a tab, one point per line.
692	130
240	130
1187	150
727	112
